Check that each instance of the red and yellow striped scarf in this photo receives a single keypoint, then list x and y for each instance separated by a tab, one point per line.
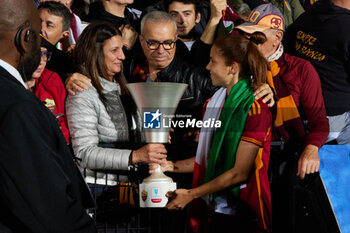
286	114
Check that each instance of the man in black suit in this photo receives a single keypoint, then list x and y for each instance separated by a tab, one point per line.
40	187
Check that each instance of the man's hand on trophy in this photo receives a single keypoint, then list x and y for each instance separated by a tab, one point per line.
166	167
150	153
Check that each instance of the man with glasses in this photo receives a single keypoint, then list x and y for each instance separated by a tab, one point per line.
48	87
159	64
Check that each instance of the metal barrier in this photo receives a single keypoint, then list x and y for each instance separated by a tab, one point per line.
298	206
117	206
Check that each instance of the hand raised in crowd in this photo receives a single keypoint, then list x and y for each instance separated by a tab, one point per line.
150	153
216	8
265	92
178	199
309	161
129	35
77	82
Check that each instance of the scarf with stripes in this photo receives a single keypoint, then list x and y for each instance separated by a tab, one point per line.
285	112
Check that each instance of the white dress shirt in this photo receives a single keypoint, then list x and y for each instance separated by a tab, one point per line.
13	71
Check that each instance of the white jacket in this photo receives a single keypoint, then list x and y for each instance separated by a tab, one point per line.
90	124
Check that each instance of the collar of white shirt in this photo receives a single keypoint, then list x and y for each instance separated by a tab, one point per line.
13	71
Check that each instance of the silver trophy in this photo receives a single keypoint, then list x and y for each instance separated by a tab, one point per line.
156	101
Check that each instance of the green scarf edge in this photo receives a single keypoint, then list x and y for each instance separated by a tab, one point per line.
237	106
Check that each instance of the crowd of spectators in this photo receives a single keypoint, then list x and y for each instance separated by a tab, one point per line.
90	50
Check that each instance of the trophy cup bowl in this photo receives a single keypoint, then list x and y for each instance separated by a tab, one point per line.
156	98
155	101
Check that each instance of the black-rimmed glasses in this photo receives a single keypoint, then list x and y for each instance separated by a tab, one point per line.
154	45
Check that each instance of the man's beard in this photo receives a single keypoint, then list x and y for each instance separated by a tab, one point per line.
30	61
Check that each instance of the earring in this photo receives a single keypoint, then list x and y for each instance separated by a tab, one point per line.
26	36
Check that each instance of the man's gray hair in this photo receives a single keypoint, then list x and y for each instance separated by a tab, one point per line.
273	31
156	17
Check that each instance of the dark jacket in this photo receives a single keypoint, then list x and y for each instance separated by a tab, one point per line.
322	36
199	88
97	13
59	62
41	189
197	56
